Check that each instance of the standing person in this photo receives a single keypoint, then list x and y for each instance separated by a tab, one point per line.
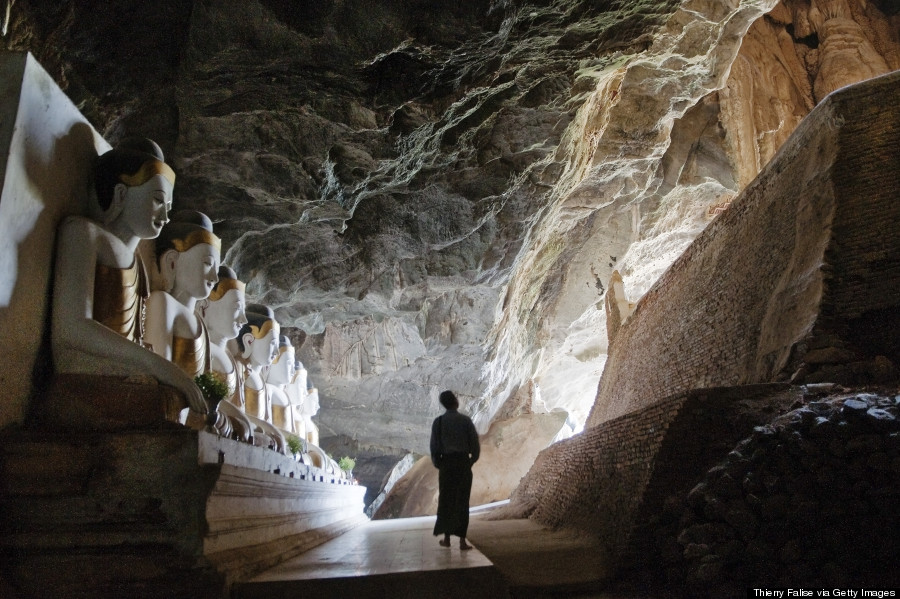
454	448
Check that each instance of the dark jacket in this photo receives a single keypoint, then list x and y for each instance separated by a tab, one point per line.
453	433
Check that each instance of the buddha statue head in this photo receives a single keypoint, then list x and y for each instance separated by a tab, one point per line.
134	188
223	310
311	404
187	254
282	369
257	340
299	374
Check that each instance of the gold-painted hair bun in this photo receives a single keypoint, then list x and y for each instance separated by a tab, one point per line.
260	332
197	237
148	170
224	286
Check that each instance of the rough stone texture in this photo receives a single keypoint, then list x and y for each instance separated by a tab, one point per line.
807	257
810	500
395	474
613	479
507	451
740	307
474	180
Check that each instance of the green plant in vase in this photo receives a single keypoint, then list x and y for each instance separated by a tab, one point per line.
346	464
295	445
214	388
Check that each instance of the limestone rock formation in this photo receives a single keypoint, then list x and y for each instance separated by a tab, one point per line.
800	263
437	194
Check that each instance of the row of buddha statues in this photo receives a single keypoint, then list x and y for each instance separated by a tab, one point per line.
113	315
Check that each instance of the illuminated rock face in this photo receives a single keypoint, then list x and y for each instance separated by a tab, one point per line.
444	196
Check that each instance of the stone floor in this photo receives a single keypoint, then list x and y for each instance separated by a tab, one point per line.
385	558
400	558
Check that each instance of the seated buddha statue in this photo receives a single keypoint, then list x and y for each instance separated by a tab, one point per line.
100	284
187	253
296	392
223	314
309	409
255	347
278	377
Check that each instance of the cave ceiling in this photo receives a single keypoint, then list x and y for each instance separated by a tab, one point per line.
434	195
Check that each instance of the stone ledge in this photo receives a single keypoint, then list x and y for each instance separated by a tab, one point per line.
151	513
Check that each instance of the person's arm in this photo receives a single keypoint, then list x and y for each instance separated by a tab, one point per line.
436	442
474	445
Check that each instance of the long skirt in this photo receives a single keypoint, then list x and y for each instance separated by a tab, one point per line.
454	488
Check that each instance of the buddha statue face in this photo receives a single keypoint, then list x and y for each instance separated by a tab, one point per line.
134	189
258	341
188	254
195	271
262	350
144	208
223	310
224	317
296	371
282	368
311	405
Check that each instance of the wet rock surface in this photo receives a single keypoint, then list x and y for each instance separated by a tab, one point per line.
811	499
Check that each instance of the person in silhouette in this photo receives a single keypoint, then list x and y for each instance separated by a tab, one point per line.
454	448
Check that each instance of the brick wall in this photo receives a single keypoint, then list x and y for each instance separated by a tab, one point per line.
615	479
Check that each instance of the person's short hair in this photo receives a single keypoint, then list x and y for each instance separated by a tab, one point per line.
448	400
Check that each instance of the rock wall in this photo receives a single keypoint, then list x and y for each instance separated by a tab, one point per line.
473	181
773	285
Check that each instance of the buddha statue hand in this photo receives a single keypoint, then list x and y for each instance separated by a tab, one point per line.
220	423
192	394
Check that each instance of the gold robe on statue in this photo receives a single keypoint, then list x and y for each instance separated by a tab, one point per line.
119	295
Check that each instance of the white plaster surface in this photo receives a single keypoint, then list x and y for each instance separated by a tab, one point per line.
46	151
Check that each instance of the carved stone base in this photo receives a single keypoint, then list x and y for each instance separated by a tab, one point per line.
164	513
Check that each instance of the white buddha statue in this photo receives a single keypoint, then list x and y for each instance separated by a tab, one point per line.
255	347
296	392
100	284
187	254
311	408
278	377
223	314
